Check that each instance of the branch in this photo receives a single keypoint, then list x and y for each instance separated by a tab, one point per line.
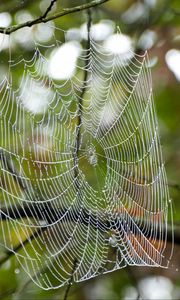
50	215
71	280
10	253
134	281
80	102
88	219
45	19
5	159
48	9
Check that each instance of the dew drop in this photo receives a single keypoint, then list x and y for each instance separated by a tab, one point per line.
16	271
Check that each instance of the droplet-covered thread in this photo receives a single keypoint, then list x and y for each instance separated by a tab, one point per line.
113	217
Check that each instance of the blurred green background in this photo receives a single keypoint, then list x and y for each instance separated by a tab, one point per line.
153	25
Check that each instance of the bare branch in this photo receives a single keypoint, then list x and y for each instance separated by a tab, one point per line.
25	212
48	9
70	281
9	253
80	102
42	19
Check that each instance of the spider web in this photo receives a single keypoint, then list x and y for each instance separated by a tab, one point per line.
86	207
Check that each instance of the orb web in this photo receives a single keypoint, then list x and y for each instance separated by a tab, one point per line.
105	208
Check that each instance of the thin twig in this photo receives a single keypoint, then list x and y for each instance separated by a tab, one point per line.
102	225
51	215
66	11
70	281
85	68
80	109
10	253
48	10
134	281
8	166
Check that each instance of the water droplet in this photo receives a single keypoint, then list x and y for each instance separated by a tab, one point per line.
16	271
